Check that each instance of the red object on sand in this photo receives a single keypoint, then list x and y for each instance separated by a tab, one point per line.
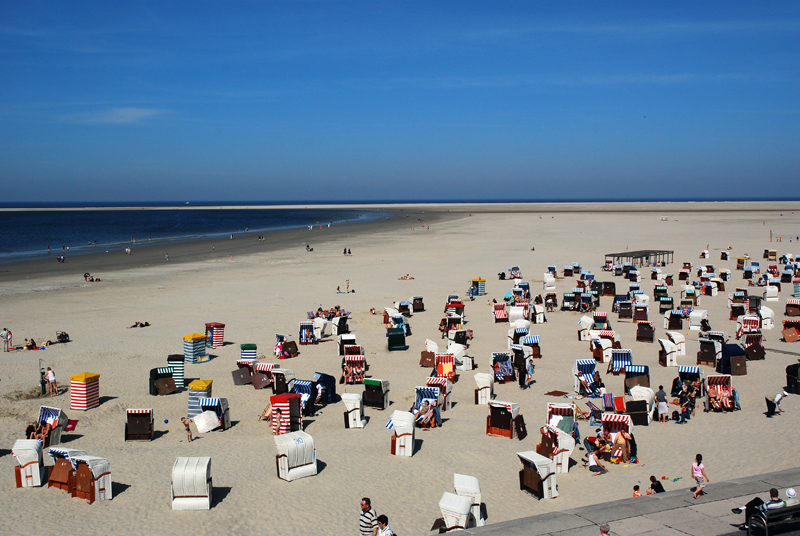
71	424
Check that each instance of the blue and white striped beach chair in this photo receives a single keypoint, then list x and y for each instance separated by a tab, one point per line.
619	360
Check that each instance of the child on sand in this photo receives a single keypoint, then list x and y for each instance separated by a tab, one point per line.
186	422
636	492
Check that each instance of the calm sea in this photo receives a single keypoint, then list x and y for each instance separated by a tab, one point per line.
27	234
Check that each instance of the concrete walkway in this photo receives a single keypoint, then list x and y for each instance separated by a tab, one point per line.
671	513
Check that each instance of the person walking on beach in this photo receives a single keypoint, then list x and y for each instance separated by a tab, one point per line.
699	474
663	406
4	336
166	257
347	291
186	422
383	526
368	520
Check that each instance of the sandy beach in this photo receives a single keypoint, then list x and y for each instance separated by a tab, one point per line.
260	288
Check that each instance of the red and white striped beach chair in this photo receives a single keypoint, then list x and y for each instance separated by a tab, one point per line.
748	324
445	366
291	417
358	364
500	313
445	388
792	307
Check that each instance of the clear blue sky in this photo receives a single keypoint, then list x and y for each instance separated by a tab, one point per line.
341	101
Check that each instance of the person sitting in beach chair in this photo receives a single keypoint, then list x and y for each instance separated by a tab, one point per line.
425	417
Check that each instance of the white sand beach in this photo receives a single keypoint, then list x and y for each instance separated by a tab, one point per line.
268	289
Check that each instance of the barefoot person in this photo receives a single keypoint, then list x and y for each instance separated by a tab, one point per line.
699	475
186	422
52	385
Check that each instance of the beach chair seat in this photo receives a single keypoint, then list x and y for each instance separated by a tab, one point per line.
500	313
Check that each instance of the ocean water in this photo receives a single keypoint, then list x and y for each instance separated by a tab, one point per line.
27	234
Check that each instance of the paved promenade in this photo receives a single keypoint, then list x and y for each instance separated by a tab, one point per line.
674	513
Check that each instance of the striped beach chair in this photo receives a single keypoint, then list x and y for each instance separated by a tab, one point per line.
358	365
194	348
690	374
215	334
308	394
500	313
178	363
307	332
616	422
561	416
57	420
431	394
84	391
583	369
445	388
502	366
532	342
619	360
600	320
792	307
163	387
249	352
444	366
608	402
636	375
220	407
747	324
198	389
286	413
139	425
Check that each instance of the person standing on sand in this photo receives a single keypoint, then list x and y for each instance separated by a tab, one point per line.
52	385
186	422
347	291
699	473
4	336
166	257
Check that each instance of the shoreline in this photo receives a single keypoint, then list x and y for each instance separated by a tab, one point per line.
577	206
150	254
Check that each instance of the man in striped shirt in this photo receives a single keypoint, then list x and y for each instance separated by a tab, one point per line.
367	522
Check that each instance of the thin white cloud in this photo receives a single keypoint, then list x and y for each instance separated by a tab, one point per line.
114	116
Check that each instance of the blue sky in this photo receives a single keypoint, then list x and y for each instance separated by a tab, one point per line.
360	101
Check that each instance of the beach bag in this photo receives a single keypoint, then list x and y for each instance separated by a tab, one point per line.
676	416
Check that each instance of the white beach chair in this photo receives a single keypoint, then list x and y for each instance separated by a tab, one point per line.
696	317
431	346
485	390
100	474
538	474
469	487
402	425
297	457
192	487
679	340
456	511
669	357
584	325
320	327
30	470
639	392
767	317
354	411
